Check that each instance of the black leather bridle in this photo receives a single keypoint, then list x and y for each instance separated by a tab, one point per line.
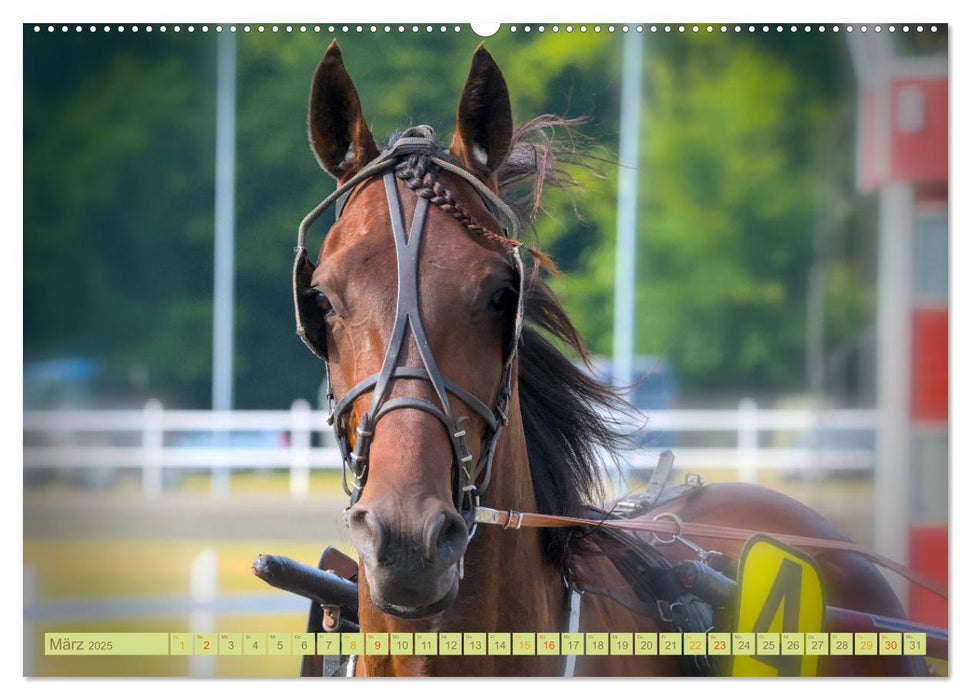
469	481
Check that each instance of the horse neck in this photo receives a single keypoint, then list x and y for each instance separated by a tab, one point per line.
509	565
512	483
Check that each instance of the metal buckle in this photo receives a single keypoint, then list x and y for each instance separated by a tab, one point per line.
674	538
331	617
474	497
490	516
694	480
703	554
624	508
666	612
519	520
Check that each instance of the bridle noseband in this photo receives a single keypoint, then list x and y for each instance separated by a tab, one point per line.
469	481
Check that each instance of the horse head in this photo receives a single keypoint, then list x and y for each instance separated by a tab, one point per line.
415	304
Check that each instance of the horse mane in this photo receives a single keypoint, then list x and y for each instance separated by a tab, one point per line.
572	421
542	153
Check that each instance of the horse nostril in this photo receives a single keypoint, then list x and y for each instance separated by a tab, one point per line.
358	517
369	531
433	528
445	538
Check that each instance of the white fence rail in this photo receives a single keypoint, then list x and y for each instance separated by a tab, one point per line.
776	439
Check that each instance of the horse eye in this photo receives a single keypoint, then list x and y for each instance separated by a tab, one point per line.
323	303
502	299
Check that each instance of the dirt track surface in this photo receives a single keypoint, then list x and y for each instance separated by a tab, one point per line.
181	516
266	511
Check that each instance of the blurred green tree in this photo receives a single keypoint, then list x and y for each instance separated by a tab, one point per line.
118	172
119	140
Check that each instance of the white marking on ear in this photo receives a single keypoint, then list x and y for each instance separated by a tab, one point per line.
348	157
480	155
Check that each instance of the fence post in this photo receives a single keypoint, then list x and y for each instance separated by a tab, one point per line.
204	588
220	470
748	441
30	600
300	431
152	444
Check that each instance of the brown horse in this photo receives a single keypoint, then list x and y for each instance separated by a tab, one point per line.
470	299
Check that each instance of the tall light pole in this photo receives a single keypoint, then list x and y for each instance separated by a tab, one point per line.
626	253
222	323
223	284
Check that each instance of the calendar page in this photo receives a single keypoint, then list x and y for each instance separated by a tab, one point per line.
562	349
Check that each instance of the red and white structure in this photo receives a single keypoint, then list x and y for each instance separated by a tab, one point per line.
902	157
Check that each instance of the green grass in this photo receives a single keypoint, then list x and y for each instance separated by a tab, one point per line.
128	567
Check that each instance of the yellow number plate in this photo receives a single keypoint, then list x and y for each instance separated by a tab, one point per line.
780	591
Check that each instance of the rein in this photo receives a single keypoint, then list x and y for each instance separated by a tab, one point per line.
673	525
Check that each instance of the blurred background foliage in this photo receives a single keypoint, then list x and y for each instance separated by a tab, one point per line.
746	187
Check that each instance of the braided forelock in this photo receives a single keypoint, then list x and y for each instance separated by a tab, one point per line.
421	176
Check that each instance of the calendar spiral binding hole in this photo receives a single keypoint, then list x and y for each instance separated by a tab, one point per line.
725	29
442	28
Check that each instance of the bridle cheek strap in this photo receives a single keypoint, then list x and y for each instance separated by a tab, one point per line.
466	478
468	481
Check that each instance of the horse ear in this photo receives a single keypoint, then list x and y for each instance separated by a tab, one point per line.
484	119
339	136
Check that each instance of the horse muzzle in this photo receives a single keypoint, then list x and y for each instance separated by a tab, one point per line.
411	564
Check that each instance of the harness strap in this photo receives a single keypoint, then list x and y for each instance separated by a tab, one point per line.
662	472
464	396
573	625
490	516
